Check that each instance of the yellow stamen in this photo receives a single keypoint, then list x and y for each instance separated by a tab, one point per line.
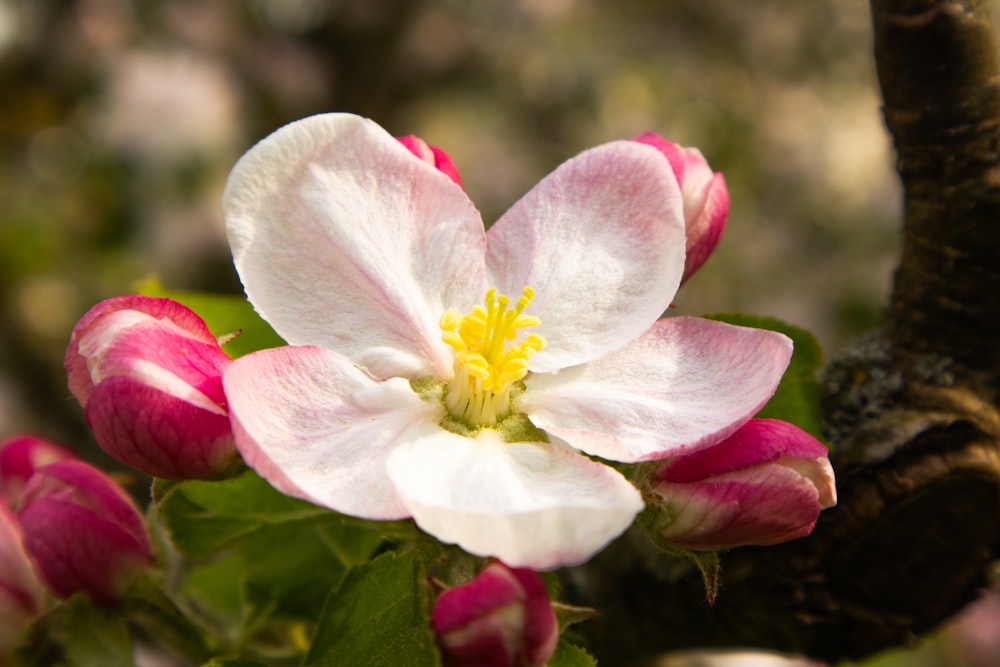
486	363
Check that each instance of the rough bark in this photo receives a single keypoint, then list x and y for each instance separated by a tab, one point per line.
911	410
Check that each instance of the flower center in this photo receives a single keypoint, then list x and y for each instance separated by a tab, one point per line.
487	360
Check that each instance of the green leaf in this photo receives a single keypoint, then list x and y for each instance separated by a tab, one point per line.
797	397
215	590
293	580
378	617
204	517
233	662
95	636
568	654
150	608
224	314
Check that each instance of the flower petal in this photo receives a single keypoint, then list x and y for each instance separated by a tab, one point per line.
103	324
529	504
706	199
343	240
601	241
318	428
686	384
159	433
432	155
763	505
83	531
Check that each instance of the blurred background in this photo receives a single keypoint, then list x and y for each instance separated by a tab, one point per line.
120	120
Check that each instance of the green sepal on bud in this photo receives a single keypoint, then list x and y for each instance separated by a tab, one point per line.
708	562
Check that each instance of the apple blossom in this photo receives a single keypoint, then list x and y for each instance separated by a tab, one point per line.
20	457
764	484
502	618
405	393
21	594
432	155
148	374
83	532
706	199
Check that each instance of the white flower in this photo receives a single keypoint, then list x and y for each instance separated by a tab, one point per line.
404	393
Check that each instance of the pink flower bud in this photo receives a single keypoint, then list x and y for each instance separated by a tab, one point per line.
20	456
20	591
148	374
502	618
83	532
764	484
706	199
432	155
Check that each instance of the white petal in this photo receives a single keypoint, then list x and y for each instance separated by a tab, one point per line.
529	504
345	239
601	241
687	383
318	428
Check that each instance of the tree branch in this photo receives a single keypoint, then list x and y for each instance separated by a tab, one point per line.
911	410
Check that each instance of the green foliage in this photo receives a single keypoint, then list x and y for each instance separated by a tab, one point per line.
797	397
147	606
568	654
224	315
378	617
263	563
95	636
204	517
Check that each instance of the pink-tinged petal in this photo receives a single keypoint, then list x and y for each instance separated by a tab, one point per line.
102	324
686	384
158	433
757	442
708	223
706	199
502	618
318	428
20	457
432	155
152	352
601	241
531	505
148	374
343	240
765	484
21	593
761	506
83	532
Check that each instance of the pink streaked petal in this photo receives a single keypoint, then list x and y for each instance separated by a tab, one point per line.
317	427
706	199
686	384
707	224
531	505
17	579
757	442
343	240
502	617
100	325
432	155
670	150
601	241
164	357
84	485
76	549
159	433
819	471
20	457
763	506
